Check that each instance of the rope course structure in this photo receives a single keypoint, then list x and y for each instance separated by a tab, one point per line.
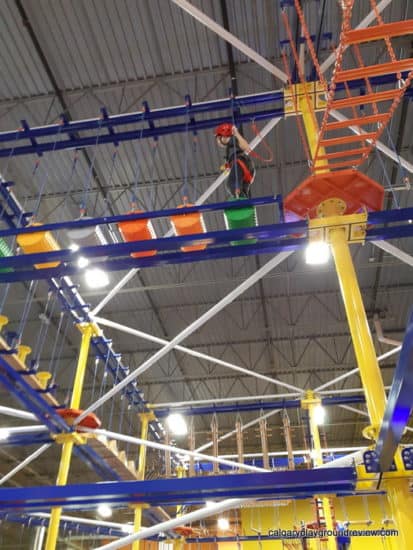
167	486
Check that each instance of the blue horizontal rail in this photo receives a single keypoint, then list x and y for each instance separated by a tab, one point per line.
162	412
150	215
218	248
193	490
68	134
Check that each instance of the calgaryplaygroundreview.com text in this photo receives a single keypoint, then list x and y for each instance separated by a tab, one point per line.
321	533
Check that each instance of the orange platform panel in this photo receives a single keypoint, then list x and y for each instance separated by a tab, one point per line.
356	189
69	416
138	230
189	224
41	241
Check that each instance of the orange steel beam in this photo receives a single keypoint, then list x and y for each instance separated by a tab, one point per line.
333	165
347	153
358	121
378	32
388	95
347	139
375	70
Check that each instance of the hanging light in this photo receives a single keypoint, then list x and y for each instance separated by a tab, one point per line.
223	524
176	423
4	434
96	278
319	415
104	511
82	262
317	253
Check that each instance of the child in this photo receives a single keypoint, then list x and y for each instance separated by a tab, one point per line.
242	169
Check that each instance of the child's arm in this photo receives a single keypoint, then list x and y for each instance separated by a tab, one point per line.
242	142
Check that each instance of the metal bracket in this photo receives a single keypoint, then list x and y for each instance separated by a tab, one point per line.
407	457
371	463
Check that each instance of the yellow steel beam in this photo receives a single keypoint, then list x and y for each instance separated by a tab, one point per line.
306	100
310	402
137	524
87	330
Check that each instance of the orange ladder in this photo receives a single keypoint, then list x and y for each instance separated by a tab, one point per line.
335	135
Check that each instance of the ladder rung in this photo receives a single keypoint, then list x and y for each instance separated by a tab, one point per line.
365	99
359	121
378	32
375	70
333	165
346	139
341	154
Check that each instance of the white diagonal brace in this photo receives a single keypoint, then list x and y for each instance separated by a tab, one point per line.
25	462
362	25
394	251
378	144
356	370
165	526
266	268
197	354
213	187
233	40
170	448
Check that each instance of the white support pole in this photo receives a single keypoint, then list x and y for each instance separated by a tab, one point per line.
266	268
193	353
16	413
362	25
378	144
5	432
355	371
233	432
126	528
211	189
176	522
233	40
172	449
394	251
25	462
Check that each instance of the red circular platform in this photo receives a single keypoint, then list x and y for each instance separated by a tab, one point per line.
90	421
356	189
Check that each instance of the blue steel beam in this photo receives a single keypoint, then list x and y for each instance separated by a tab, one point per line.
163	412
94	125
119	263
167	213
300	483
399	403
65	526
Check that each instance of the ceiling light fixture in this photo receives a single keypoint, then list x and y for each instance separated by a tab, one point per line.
96	278
223	524
317	253
177	425
319	415
104	511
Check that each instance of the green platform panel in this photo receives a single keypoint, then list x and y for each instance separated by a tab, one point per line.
4	253
240	218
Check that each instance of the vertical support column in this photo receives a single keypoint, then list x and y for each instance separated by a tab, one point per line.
87	329
399	497
309	118
288	441
214	434
179	542
310	403
137	524
264	443
240	441
359	328
191	443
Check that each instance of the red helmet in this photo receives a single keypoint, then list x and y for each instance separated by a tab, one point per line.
224	130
